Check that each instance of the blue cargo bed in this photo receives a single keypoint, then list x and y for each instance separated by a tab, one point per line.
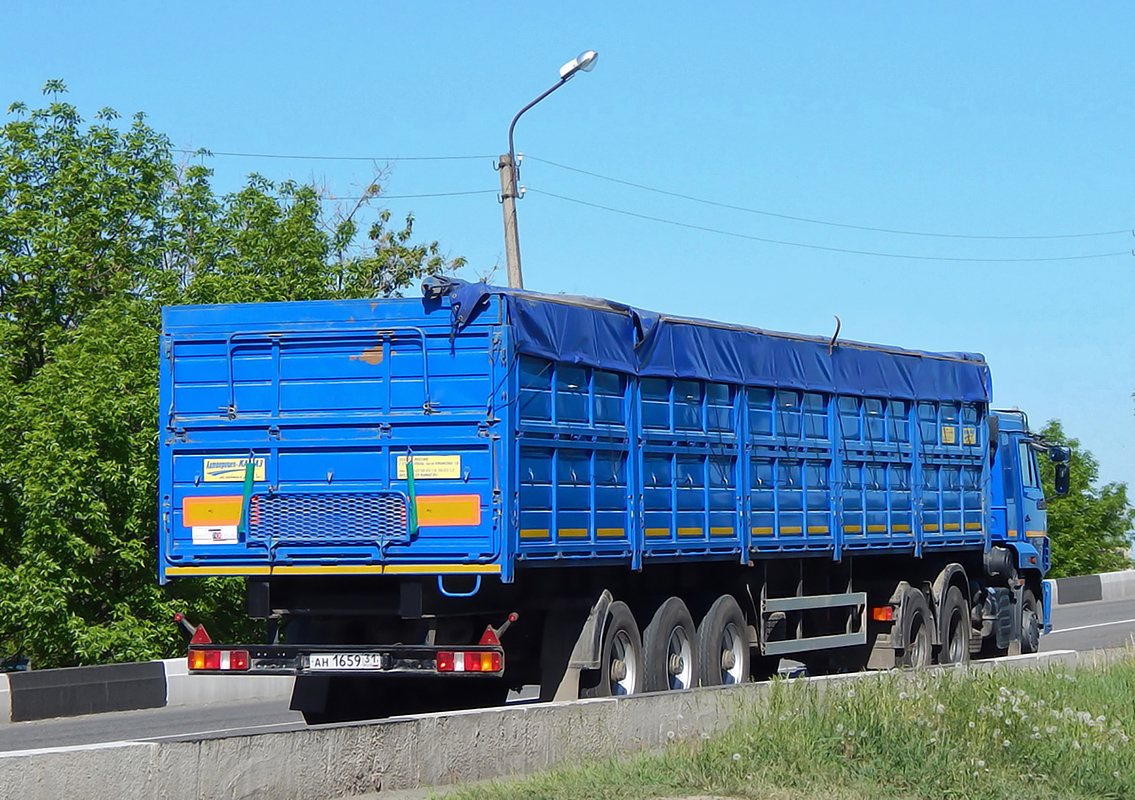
550	430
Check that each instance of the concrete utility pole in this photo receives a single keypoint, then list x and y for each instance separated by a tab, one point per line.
510	170
509	196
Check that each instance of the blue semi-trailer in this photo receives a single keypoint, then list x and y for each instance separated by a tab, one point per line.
433	500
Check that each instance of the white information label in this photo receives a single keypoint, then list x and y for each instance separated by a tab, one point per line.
323	662
214	534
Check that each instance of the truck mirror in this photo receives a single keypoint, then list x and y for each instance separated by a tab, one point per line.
1062	477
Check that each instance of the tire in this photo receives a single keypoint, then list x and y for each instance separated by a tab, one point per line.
1030	622
723	644
954	628
919	649
670	649
620	666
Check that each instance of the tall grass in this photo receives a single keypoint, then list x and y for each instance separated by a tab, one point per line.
1049	733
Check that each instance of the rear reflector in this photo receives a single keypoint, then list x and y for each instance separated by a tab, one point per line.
219	660
883	613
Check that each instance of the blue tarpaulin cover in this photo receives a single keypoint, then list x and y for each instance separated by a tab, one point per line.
608	335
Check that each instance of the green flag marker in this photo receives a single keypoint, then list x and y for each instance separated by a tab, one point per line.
412	512
249	478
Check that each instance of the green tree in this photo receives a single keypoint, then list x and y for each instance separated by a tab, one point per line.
98	229
1091	526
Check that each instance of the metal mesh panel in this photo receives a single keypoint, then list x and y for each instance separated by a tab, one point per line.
328	518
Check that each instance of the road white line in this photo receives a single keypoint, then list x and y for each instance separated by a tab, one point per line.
1096	625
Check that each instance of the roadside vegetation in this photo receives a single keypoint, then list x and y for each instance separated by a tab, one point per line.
970	733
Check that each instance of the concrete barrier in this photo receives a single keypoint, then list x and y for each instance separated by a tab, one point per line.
1089	588
183	689
429	750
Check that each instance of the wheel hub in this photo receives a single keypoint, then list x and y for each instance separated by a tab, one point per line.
676	664
728	660
619	670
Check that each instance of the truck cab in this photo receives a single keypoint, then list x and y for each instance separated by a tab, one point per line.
1018	512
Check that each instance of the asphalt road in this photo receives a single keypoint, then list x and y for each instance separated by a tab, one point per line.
1083	626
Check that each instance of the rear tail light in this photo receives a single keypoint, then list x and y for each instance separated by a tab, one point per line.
469	661
883	613
219	660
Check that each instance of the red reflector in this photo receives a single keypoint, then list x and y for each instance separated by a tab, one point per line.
489	636
238	659
496	662
883	614
212	659
200	636
445	662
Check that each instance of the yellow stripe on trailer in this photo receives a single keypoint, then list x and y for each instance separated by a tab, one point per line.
250	570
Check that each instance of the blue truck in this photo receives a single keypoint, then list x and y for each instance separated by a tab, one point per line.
433	500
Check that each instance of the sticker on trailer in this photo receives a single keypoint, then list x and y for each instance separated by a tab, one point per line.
231	470
431	467
216	534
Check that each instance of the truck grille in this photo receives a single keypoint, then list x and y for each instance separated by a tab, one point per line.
328	518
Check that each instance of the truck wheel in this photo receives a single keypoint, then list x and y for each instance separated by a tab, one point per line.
918	651
669	648
954	630
1030	622
723	644
620	664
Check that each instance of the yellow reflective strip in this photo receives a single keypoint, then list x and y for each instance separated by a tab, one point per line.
1013	534
817	529
571	533
657	532
218	570
973	526
951	526
1035	533
441	569
929	527
360	569
852	529
762	531
610	533
791	529
901	528
876	528
691	531
534	533
720	531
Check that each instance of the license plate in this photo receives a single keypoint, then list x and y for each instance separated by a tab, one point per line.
323	662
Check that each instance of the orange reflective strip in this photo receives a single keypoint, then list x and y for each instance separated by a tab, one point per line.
448	509
211	511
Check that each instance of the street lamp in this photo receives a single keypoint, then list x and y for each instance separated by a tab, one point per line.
510	171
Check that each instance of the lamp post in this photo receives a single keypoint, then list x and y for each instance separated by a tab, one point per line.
510	170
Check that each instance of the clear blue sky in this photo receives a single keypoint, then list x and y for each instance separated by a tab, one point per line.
1005	119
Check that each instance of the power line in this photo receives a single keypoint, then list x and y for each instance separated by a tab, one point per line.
207	152
810	220
818	246
410	196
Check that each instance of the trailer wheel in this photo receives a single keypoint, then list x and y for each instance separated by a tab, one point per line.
723	644
918	650
1030	622
954	628
670	648
620	664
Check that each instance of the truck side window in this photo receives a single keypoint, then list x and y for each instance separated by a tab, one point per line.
1029	476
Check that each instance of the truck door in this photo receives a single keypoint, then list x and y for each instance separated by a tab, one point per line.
1034	517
